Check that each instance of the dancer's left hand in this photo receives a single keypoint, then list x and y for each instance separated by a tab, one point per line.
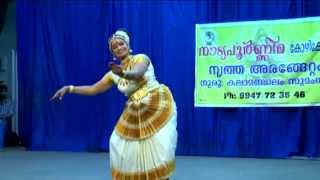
116	69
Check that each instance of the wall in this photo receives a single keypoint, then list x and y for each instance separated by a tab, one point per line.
8	72
7	44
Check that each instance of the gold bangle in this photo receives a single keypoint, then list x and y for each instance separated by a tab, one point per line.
71	88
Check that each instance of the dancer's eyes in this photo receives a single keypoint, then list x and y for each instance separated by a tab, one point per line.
117	44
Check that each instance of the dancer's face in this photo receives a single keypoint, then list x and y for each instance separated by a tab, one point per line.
119	48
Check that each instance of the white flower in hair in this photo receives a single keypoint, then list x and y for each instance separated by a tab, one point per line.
124	35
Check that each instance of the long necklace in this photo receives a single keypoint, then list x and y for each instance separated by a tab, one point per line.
127	63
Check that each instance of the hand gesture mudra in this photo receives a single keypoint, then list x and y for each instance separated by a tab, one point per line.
116	69
61	92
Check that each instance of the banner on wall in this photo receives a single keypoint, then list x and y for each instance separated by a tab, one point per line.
258	63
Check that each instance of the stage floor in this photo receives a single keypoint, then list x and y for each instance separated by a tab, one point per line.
17	164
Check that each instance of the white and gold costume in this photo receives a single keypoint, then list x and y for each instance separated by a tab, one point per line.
143	143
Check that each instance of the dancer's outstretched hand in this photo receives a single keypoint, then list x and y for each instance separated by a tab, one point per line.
60	93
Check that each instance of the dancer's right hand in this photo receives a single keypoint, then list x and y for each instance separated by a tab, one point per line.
60	93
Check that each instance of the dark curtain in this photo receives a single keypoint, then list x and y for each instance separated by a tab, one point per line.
61	43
